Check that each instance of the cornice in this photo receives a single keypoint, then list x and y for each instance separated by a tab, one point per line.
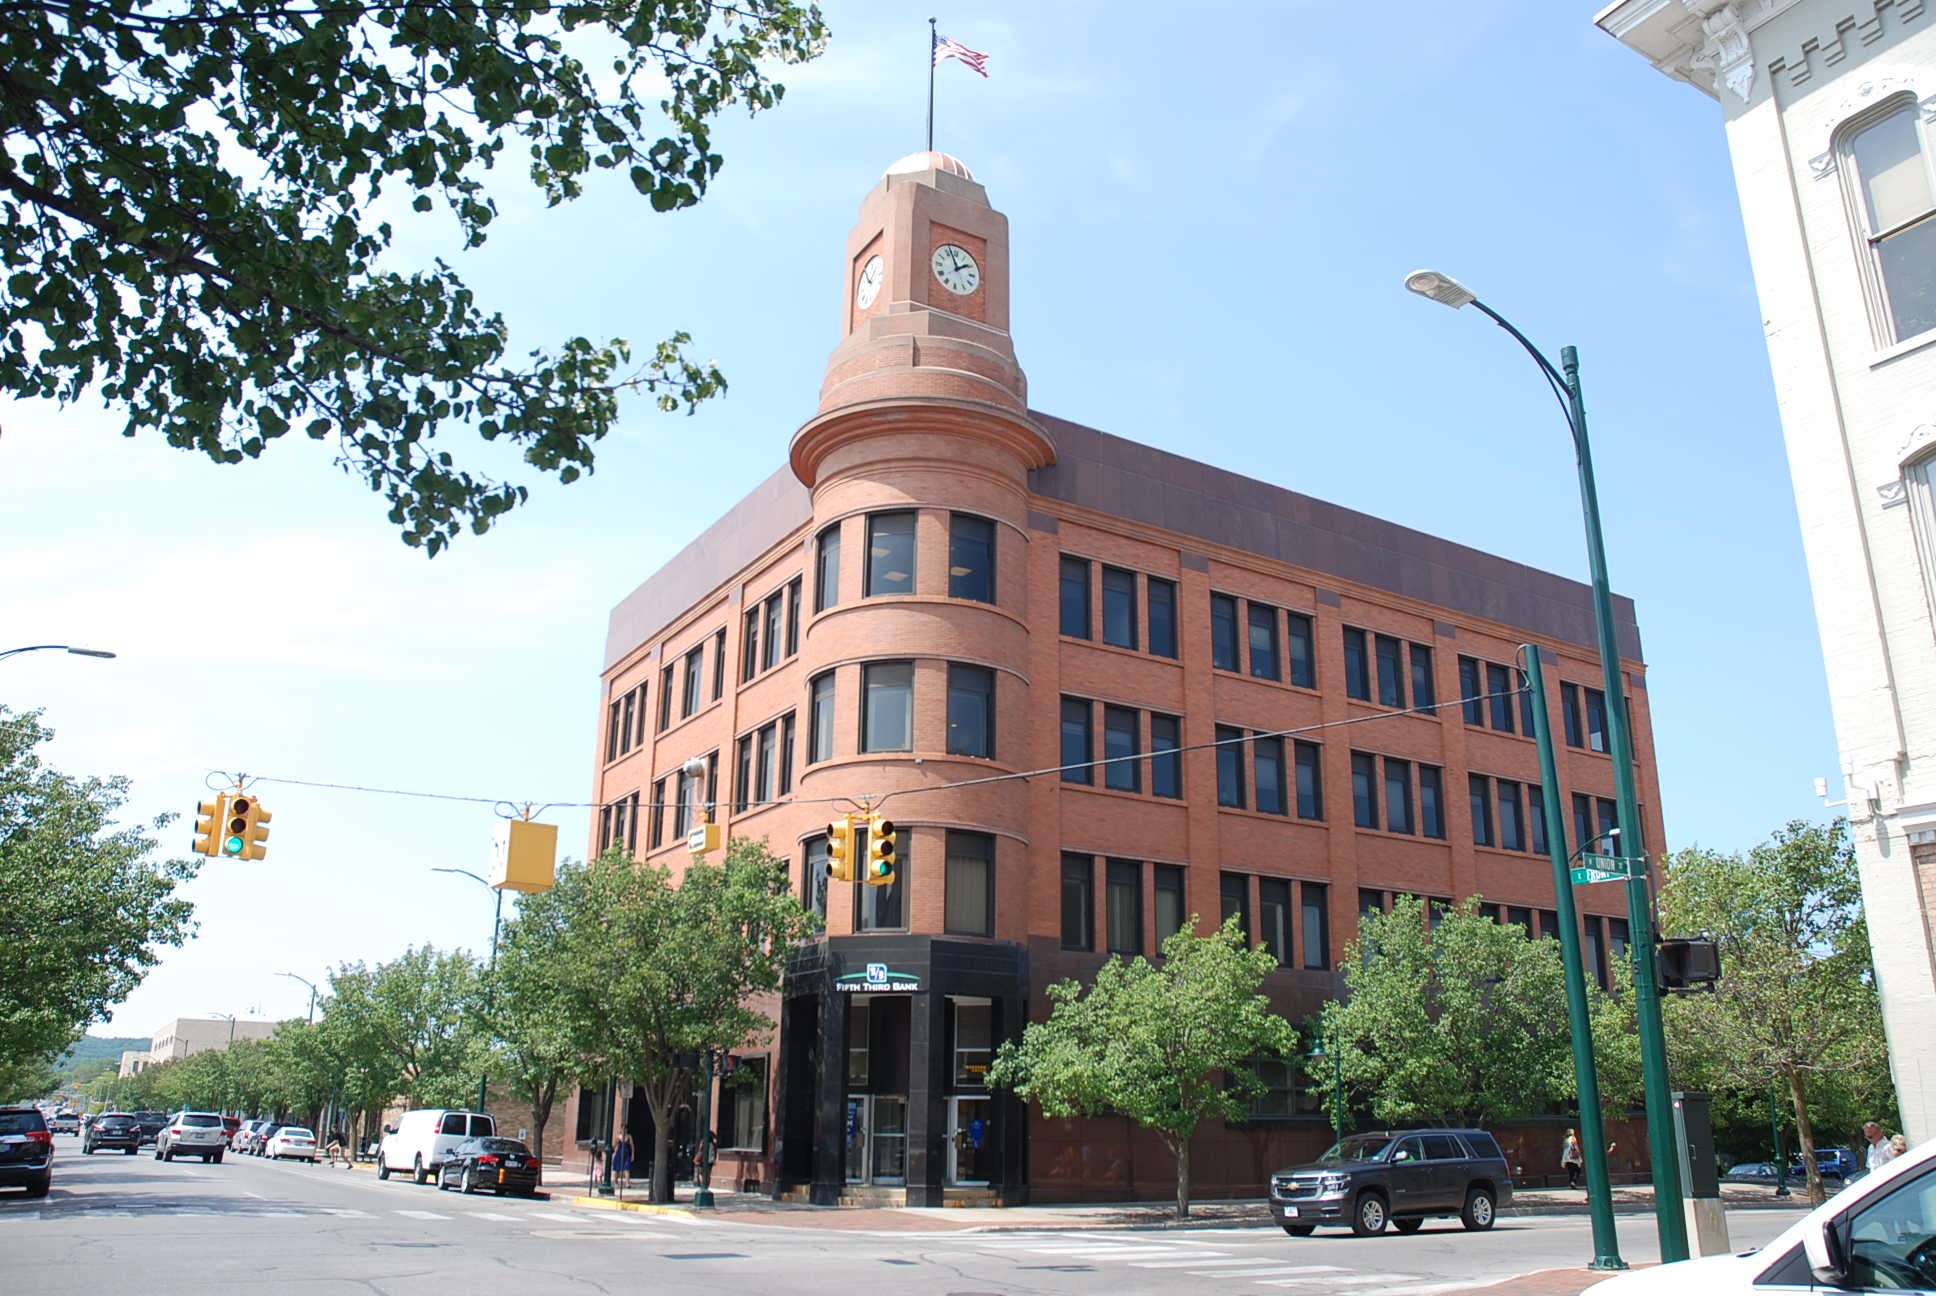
908	416
1706	43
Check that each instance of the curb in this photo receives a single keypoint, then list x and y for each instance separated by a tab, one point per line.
643	1208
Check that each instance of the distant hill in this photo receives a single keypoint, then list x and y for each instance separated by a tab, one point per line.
93	1048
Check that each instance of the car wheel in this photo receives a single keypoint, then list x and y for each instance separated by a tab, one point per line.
1300	1230
1478	1210
157	1151
129	1151
1408	1225
382	1167
423	1175
470	1182
1368	1217
216	1158
443	1182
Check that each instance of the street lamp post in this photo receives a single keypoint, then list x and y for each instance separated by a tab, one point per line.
1565	382
490	984
227	1088
1336	1050
312	992
66	648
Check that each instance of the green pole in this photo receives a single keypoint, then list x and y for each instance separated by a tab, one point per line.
1337	1083
1664	1160
1593	1143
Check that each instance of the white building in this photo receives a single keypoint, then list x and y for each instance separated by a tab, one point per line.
1830	111
186	1035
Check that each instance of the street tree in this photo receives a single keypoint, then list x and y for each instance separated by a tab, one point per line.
407	1029
197	202
531	1004
664	972
85	906
1168	1044
1796	1003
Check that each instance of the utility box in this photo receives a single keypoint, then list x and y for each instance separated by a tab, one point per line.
524	855
1707	1223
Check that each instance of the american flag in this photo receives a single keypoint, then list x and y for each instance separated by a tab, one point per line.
945	48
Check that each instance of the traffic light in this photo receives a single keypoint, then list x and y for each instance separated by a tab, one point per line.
880	852
1688	965
208	824
840	849
245	828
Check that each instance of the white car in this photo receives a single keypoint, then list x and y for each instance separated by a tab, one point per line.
192	1133
1879	1233
293	1142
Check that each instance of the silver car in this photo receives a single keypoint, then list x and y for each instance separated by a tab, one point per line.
189	1133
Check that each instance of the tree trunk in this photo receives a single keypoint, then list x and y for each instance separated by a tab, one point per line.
660	1108
1805	1135
542	1097
1182	1149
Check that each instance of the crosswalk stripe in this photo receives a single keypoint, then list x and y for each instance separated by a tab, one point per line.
1359	1280
272	1214
1087	1248
422	1214
347	1212
493	1215
1212	1264
1263	1271
1199	1259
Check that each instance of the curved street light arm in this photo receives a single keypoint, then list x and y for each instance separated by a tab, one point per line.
66	648
1553	378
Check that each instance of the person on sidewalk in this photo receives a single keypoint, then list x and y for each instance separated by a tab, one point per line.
1572	1159
622	1160
1881	1153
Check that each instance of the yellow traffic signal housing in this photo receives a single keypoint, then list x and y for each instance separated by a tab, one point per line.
245	828
258	833
208	824
840	849
880	852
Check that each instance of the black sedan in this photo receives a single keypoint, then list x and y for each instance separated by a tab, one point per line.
111	1130
499	1165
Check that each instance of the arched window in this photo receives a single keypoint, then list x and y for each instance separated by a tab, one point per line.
1893	201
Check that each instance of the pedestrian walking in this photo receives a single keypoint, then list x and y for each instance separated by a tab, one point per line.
1572	1159
622	1159
1881	1153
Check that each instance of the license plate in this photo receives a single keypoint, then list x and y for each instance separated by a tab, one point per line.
1290	1212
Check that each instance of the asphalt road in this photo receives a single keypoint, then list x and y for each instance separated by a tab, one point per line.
117	1224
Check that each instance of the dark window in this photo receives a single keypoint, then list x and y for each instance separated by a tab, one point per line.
887	707
1471	692
1479	788
882	908
1431	802
1499	697
1168	882
658	813
1595	952
1118	607
688	792
1161	598
1549	923
820	718
1520	915
1570	714
1364	790
1223	632
773	623
1424	695
1264	655
971	558
1596	720
826	569
1609	820
971	711
1075	597
1582	822
1274	918
766	758
890	554
1122	747
1536	818
1618	941
693	671
719	664
1512	834
1230	767
1267	770
1123	906
749	645
786	753
612	713
1078	902
665	698
1078	747
1370	903
1304	670
793	616
1391	671
1398	795
1233	894
969	905
1310	780
1314	899
1166	771
1357	671
1525	703
743	774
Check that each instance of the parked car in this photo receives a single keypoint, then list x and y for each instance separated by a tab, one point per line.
424	1138
151	1123
291	1142
230	1124
1401	1176
1840	1164
190	1133
1880	1232
65	1122
498	1165
111	1130
26	1150
251	1136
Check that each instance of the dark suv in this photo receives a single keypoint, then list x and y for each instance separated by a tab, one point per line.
111	1130
26	1150
1401	1176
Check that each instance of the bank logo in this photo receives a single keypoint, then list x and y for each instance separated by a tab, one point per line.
878	978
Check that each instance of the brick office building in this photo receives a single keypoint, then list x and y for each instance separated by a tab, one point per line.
942	587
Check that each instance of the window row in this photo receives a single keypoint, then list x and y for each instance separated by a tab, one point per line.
1274	930
1486	692
676	796
1120	625
1396	668
1592	734
887	710
691	673
770	631
624	723
764	764
891	555
618	825
1127	759
1604	940
1268	642
1124	901
968	883
1254	764
1395	790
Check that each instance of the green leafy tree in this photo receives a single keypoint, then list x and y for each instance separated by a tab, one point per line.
1168	1044
531	1005
1796	1001
195	204
664	971
408	1028
85	907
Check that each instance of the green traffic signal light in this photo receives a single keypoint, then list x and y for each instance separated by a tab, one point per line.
237	840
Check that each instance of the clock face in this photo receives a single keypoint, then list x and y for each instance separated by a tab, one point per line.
956	270
869	285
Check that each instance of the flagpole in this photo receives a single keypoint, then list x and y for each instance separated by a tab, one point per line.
931	41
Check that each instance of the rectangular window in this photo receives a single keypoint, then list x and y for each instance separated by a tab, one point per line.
820	718
688	791
1267	769
1499	697
719	664
890	555
1364	789
813	879
1310	780
1123	907
612	713
1274	918
1596	721
1890	182
1609	820
882	908
1264	657
1233	894
1570	714
860	1052
786	753
969	905
1122	747
793	616
1230	767
1078	745
1523	917
1479	787
658	814
1595	953
1398	796
766	756
1168	884
749	645
887	706
971	558
1223	632
826	568
1512	833
693	673
1424	695
773	626
1304	668
1431	802
1160	597
1471	692
747	1127
1536	819
665	699
1582	822
1315	903
1075	597
1549	923
743	774
974	1043
1618	941
971	711
1391	671
1166	771
1370	903
1525	703
1078	902
1118	607
1357	671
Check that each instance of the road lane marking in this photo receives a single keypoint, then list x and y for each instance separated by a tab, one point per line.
1208	1264
1357	1280
1262	1271
421	1214
346	1212
493	1215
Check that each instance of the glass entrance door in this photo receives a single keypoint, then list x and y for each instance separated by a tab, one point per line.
857	1131
970	1145
890	1139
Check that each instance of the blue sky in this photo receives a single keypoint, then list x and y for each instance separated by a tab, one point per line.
1210	224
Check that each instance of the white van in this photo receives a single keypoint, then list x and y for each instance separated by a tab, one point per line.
422	1139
